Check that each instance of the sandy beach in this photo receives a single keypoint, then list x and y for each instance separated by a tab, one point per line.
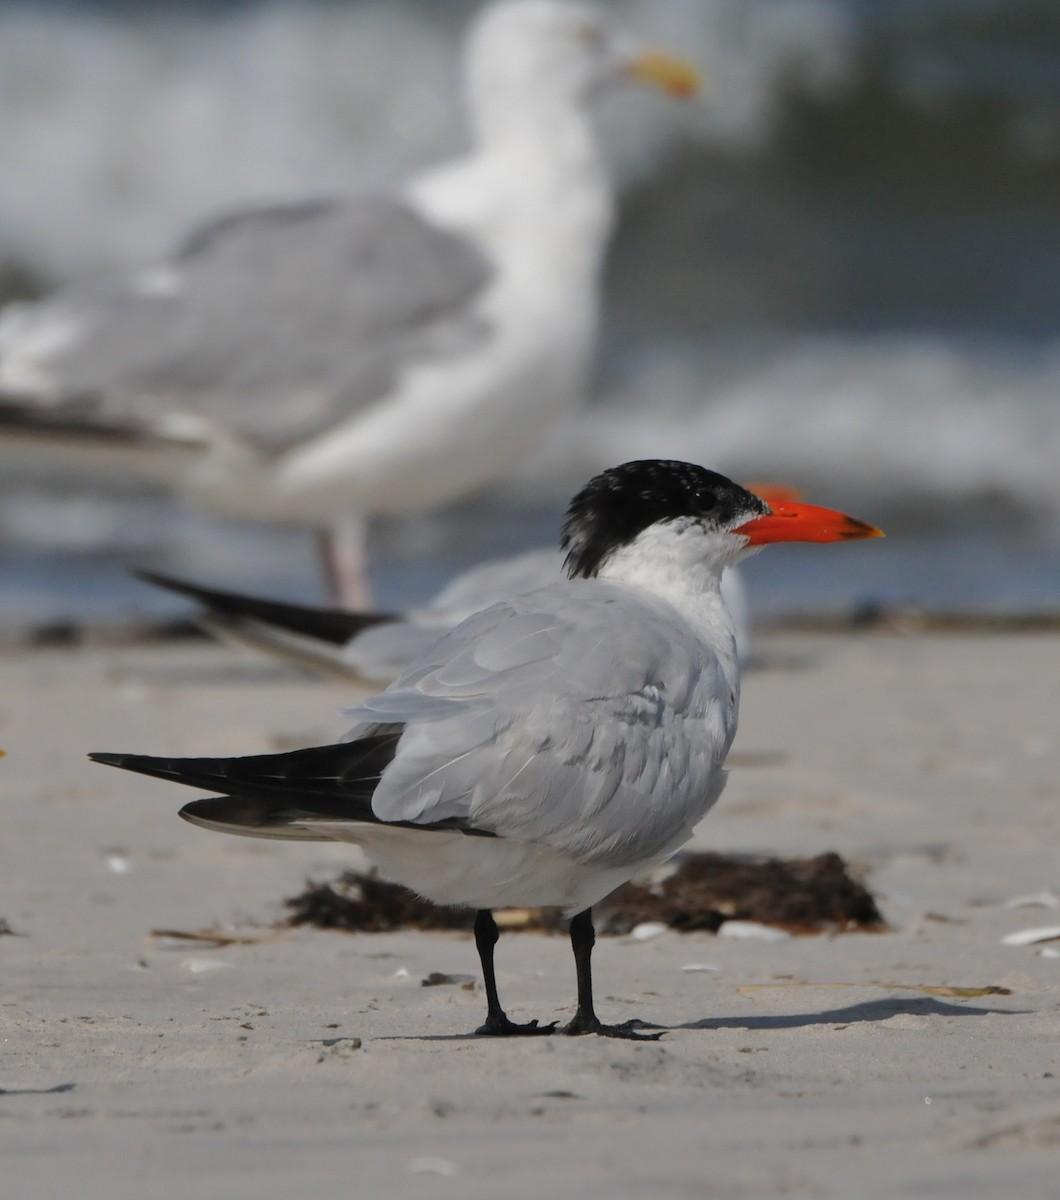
308	1063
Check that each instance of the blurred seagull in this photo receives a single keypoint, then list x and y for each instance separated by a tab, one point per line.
553	745
325	361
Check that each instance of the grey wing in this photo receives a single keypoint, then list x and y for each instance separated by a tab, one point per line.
273	325
384	651
381	653
580	716
488	582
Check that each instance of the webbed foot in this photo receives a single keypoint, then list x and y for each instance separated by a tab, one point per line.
500	1026
627	1030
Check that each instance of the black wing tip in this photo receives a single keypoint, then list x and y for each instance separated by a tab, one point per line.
210	597
75	417
195	817
213	811
162	580
334	626
109	759
144	764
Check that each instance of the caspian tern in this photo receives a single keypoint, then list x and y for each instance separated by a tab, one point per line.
553	745
324	362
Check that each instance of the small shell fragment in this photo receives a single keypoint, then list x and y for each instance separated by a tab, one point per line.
199	966
431	1166
515	918
1043	899
753	931
695	968
647	930
1028	937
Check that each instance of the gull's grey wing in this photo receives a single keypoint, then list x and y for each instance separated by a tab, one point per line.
273	324
583	716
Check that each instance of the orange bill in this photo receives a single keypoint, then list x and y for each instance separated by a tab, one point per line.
666	71
791	522
774	493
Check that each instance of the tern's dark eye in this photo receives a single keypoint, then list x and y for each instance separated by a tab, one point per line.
707	501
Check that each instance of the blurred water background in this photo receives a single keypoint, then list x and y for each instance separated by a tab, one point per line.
840	270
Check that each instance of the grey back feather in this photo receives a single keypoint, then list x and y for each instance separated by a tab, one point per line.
585	715
273	324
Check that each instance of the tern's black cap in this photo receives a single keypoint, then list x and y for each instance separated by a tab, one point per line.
617	505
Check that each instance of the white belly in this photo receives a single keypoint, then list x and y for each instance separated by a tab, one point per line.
480	872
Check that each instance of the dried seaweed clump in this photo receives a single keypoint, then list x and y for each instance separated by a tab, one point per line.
367	904
805	895
801	895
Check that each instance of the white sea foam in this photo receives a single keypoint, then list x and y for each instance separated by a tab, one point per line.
888	418
119	131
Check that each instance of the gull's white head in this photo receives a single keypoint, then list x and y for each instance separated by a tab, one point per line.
530	60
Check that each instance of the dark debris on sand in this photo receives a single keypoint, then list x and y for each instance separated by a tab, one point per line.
71	634
361	903
803	896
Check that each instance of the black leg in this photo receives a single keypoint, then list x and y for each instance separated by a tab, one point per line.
582	940
497	1023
